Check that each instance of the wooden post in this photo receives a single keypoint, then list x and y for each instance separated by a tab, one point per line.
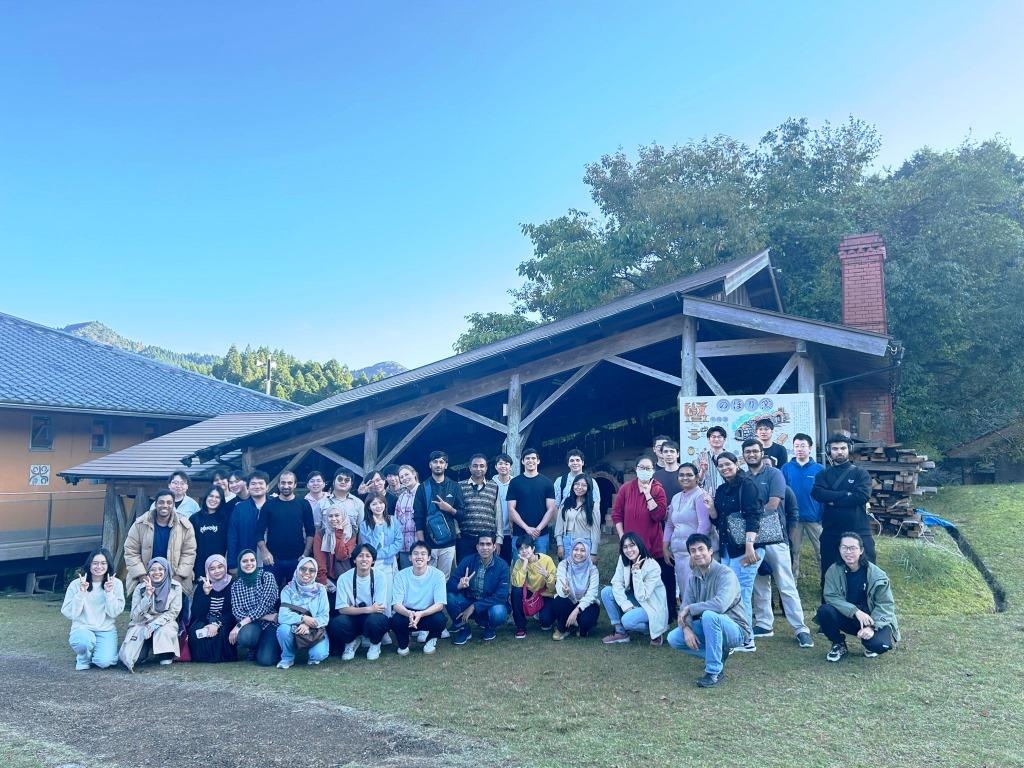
369	448
247	463
513	444
111	522
688	370
804	369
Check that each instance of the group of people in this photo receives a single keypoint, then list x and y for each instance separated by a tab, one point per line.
277	577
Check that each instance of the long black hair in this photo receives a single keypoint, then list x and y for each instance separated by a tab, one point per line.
87	568
643	553
569	502
213	489
368	513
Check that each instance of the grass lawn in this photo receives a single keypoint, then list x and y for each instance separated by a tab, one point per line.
949	695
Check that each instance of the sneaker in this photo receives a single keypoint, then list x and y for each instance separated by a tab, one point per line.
762	632
166	662
490	633
838	651
350	650
444	634
747	647
520	634
282	664
81	665
556	635
548	628
374	652
462	636
430	646
869	654
710	681
657	642
403	651
804	639
421	636
615	637
313	663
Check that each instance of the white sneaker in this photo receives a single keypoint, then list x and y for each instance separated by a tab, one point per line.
374	653
421	636
285	664
168	662
350	650
313	663
403	651
444	634
430	646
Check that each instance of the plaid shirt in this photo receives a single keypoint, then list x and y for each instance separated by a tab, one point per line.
254	602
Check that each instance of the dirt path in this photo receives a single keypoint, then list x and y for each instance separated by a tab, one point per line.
98	714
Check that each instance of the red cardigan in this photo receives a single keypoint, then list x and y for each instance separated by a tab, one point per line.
631	510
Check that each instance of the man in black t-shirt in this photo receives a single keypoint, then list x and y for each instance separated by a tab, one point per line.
765	431
531	503
285	530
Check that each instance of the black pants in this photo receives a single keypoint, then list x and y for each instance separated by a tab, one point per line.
834	625
433	625
262	642
506	550
344	628
586	620
546	617
830	551
668	578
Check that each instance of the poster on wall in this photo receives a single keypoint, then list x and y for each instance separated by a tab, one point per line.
39	474
738	414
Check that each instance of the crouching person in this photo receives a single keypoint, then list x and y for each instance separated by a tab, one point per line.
153	627
712	619
858	601
364	605
478	588
419	599
302	619
93	601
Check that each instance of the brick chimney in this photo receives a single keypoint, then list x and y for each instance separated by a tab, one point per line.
862	263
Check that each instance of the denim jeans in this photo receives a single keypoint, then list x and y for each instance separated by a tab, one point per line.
713	631
262	642
746	575
633	620
495	616
286	639
778	557
99	648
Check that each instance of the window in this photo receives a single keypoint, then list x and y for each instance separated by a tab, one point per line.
100	440
149	430
42	433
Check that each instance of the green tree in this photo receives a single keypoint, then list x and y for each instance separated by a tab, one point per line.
490	327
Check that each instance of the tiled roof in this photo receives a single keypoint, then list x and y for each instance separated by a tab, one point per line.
44	367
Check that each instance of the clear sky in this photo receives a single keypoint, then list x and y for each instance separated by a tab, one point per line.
349	179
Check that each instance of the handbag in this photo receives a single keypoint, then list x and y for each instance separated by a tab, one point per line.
533	602
311	638
769	529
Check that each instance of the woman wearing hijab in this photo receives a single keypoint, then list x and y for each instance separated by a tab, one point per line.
576	592
333	546
212	621
635	601
153	627
254	607
93	601
364	606
303	616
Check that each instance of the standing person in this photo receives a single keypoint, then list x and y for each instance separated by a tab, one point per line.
153	626
392	482
238	492
575	460
656	445
212	620
93	602
737	497
374	483
220	479
243	527
844	490
303	615
419	597
210	524
364	606
438	505
341	496
482	512
315	494
177	483
161	533
381	530
502	478
635	601
765	431
478	590
641	507
405	512
800	472
667	475
711	619
537	572
858	601
333	546
710	478
577	591
531	502
285	530
579	517
254	607
687	515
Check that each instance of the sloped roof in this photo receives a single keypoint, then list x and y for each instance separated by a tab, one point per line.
1005	439
156	459
46	368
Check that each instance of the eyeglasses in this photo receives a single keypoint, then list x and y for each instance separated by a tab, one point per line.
849	548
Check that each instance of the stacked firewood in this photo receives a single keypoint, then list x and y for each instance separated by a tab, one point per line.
894	472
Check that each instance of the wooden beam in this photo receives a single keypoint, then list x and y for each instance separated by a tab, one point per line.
804	369
654	373
338	459
737	347
292	464
111	520
411	435
745	271
710	380
468	414
688	356
784	374
554	396
248	463
514	417
370	446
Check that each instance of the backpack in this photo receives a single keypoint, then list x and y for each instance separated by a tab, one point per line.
440	530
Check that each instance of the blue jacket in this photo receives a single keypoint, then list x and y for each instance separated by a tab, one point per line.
242	533
801	480
386	539
496	581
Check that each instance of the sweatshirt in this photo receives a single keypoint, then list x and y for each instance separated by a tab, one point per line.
631	511
95	610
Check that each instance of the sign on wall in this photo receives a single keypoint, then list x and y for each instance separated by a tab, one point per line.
738	414
39	474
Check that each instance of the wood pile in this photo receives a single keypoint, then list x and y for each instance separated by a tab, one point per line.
894	472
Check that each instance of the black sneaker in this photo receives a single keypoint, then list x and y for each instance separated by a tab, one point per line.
838	651
710	681
762	632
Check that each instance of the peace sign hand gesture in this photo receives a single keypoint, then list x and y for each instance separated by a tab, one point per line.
464	581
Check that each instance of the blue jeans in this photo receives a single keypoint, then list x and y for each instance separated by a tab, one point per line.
496	615
99	648
286	639
746	575
633	620
542	546
713	631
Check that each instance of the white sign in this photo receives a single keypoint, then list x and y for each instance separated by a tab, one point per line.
738	415
39	474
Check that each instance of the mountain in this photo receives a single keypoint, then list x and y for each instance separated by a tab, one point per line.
380	370
98	332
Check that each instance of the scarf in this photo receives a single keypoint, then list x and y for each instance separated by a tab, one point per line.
329	538
225	579
579	573
249	579
309	590
161	590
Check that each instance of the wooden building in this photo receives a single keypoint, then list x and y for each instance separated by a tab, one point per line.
994	457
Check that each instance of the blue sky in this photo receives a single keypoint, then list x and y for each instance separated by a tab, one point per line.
348	179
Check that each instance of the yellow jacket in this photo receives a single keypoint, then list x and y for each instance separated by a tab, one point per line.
539	575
